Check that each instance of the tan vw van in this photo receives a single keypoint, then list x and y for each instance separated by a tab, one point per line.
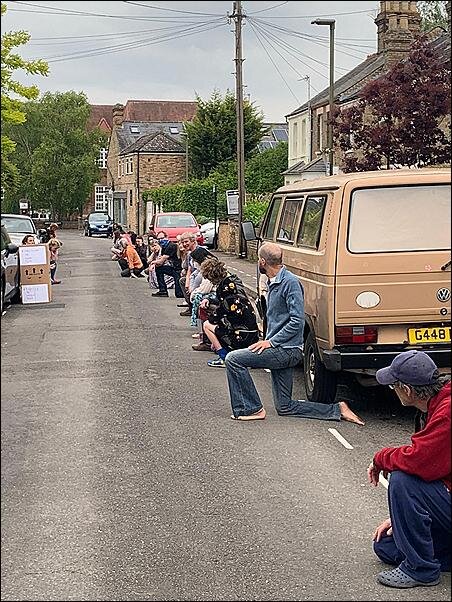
372	251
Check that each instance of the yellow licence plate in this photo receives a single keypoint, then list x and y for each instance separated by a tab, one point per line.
440	334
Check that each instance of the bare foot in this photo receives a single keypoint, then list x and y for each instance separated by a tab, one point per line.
260	415
348	415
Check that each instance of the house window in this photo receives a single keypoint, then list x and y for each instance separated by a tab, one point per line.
295	139
174	130
101	198
134	129
102	160
303	137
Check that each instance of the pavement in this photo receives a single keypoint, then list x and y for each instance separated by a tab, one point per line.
123	477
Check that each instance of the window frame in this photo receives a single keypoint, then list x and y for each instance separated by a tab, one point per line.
300	198
100	192
275	198
308	195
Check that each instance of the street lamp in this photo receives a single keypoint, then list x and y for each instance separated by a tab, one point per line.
331	23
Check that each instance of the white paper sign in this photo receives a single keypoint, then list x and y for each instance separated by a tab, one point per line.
232	199
32	255
35	293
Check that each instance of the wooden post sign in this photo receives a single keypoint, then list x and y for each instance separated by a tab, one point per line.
34	261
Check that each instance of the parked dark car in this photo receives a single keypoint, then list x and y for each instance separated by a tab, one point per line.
98	223
10	290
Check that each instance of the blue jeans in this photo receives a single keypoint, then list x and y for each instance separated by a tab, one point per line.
421	524
169	270
245	399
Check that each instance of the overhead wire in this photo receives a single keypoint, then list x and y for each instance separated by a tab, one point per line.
55	10
320	41
256	33
301	75
173	10
263	10
354	12
87	53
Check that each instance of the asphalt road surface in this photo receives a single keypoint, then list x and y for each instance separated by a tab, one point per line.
123	477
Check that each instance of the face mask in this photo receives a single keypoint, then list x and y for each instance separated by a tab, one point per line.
262	269
163	241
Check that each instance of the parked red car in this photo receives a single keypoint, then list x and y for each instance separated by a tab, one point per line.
176	223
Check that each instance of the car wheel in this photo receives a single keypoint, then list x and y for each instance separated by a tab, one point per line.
17	297
320	383
86	233
90	233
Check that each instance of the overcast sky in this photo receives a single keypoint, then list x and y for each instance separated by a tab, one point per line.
181	66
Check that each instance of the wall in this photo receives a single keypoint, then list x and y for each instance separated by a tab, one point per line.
298	138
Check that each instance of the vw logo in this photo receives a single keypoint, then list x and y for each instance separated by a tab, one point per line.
443	295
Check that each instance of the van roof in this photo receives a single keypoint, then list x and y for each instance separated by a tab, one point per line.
391	175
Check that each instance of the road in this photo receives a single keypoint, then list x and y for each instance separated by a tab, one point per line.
123	477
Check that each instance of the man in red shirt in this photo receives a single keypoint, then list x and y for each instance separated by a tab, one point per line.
417	536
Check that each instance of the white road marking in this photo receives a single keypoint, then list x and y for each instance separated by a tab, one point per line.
340	438
3	312
254	277
383	481
240	271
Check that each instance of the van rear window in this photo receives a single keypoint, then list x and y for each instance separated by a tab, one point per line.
400	218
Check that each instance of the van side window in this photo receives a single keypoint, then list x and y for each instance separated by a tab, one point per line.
290	212
269	228
311	221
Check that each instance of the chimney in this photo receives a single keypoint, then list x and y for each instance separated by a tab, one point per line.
397	25
118	115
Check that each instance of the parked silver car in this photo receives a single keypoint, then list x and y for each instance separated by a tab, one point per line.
209	234
18	226
10	284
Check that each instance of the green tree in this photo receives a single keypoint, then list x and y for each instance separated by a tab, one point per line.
212	133
433	13
57	153
12	92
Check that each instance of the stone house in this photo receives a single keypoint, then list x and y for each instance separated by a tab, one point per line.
398	23
147	149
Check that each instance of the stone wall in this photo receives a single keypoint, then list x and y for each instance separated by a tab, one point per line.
228	240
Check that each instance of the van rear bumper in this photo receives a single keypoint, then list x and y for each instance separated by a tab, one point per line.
338	359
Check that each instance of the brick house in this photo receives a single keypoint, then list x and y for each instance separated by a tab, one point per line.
147	150
397	23
100	117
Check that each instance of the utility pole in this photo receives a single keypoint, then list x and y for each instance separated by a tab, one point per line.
331	23
238	17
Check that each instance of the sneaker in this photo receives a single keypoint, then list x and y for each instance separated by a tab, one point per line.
216	363
186	312
160	294
132	275
182	305
201	347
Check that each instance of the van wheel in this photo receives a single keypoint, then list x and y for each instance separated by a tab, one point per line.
320	383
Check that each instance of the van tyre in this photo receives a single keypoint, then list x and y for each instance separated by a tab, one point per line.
321	384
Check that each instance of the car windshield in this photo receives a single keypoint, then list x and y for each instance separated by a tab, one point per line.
176	221
18	224
402	218
99	217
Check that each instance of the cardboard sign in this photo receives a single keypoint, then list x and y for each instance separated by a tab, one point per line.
34	261
36	293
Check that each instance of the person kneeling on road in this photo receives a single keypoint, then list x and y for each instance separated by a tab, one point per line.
168	264
280	352
417	536
130	262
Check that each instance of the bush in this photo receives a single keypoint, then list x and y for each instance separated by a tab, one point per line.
254	210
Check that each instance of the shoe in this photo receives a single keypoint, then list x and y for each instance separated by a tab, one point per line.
201	347
160	294
186	312
397	578
55	282
195	336
260	415
217	363
182	305
132	275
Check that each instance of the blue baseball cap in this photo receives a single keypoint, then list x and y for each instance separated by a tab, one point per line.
410	367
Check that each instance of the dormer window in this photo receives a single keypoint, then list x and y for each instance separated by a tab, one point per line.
174	130
134	129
